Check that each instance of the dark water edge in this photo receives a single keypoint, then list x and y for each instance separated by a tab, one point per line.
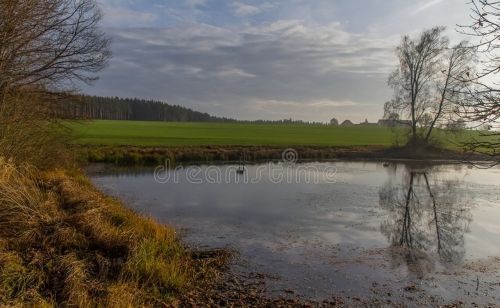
351	238
152	156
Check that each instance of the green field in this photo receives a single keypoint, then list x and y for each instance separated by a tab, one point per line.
137	133
134	133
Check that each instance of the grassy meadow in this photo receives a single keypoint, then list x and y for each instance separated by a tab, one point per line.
137	133
178	134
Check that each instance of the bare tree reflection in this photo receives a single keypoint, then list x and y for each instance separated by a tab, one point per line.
427	222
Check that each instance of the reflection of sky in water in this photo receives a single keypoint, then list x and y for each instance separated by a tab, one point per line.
304	231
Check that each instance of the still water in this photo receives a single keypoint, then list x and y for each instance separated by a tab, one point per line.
355	229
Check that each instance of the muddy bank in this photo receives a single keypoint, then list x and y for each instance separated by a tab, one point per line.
232	288
129	156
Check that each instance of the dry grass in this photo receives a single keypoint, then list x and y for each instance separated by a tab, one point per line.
64	243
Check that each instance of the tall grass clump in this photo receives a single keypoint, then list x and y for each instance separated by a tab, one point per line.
64	243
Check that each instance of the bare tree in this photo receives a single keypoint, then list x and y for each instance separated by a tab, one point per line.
50	43
483	104
429	80
485	28
419	61
45	47
458	63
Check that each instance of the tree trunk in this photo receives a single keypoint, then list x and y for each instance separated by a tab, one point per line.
441	103
413	124
434	206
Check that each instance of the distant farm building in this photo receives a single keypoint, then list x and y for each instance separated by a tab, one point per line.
347	123
382	122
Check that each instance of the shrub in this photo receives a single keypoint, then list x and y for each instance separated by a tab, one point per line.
28	132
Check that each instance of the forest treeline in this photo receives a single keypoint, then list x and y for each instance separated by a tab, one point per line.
115	108
135	109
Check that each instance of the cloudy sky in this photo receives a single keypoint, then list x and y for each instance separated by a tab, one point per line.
264	59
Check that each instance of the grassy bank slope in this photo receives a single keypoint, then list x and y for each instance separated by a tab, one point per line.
200	134
62	243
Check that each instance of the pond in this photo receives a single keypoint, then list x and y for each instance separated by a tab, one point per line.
396	232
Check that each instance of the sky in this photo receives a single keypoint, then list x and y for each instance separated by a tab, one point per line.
265	59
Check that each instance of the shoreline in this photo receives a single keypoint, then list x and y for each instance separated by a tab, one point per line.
149	156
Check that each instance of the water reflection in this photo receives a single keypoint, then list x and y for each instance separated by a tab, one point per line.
427	219
373	226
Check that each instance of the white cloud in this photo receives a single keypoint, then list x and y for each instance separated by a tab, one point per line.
325	48
313	103
326	103
426	5
233	72
267	59
116	16
286	68
200	73
241	9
